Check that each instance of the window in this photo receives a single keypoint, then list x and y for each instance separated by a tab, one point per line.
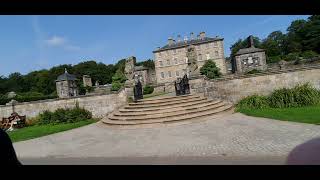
161	63
186	59
177	73
175	61
215	44
200	57
169	73
168	62
250	60
162	74
208	56
216	53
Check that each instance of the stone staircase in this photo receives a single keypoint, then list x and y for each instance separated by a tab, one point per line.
167	109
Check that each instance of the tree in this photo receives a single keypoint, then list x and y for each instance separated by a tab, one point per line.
148	63
274	44
118	80
210	70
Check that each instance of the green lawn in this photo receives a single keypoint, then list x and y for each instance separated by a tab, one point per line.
42	130
309	114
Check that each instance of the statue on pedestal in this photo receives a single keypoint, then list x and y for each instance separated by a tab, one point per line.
193	69
137	89
182	86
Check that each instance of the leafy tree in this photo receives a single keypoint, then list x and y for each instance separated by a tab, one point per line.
309	54
118	80
148	63
274	44
210	70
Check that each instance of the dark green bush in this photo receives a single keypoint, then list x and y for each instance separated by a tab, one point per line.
292	56
116	86
299	96
64	116
253	102
148	89
210	70
309	54
27	97
274	59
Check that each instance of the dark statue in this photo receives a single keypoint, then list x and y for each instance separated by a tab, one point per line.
182	86
137	90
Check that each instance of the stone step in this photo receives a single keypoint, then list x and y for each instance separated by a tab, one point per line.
166	115
163	104
170	119
164	107
161	101
164	97
167	110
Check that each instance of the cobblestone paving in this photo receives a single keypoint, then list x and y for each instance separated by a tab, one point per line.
234	135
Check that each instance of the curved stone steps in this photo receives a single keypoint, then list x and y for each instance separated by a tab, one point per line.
167	110
164	107
166	115
164	101
164	98
170	119
137	106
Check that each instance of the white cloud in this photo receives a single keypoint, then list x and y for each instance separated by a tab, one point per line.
56	41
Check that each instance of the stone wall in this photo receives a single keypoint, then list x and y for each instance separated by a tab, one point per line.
99	105
235	89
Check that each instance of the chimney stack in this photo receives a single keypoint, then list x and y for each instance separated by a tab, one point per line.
191	36
170	41
179	38
185	39
251	43
202	35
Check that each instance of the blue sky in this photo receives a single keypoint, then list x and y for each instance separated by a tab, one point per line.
30	43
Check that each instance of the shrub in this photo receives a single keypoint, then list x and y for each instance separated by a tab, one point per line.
292	57
309	54
27	97
274	59
116	86
210	70
148	89
253	102
301	95
64	116
32	121
130	99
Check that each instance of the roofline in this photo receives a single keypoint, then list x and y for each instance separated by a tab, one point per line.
184	45
258	50
67	80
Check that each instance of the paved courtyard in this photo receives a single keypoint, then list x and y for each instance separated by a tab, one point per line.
235	137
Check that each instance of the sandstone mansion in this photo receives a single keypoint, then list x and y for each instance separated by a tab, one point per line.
171	60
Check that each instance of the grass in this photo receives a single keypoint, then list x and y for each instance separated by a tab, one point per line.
43	130
308	114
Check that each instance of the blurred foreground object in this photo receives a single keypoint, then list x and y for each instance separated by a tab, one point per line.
307	153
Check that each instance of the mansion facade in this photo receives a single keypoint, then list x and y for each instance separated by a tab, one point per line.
171	60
